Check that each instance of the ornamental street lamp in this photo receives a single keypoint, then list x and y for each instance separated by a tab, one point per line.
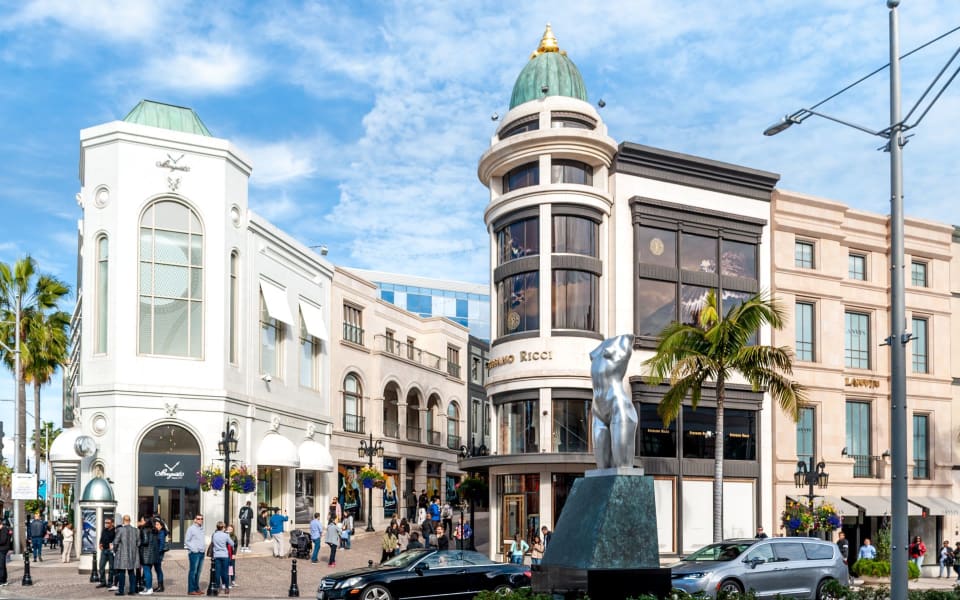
368	450
463	453
227	446
814	475
899	336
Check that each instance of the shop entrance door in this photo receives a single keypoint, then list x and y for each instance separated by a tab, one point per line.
514	520
176	506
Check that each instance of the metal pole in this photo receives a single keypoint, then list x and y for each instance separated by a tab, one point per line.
811	478
898	335
226	474
370	453
18	453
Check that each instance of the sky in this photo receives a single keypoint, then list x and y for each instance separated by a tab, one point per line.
365	120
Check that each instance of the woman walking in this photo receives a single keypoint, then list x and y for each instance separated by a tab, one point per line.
222	543
67	533
536	551
332	538
149	554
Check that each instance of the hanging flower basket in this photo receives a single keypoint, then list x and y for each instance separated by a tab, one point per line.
798	519
242	480
371	477
211	478
472	488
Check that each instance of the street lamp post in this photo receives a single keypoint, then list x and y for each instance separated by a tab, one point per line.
812	475
368	451
227	446
899	336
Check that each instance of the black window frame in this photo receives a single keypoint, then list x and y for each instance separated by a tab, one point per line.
530	173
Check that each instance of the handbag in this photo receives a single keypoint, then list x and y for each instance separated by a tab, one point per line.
210	550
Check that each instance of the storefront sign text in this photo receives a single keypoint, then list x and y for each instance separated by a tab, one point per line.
861	382
524	356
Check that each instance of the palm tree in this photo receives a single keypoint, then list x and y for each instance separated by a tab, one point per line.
715	349
23	290
46	342
43	438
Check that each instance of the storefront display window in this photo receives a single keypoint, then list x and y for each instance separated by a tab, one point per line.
518	427
520	506
653	438
305	498
571	425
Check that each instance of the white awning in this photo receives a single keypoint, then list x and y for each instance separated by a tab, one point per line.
936	506
277	451
276	300
62	450
315	456
313	320
879	506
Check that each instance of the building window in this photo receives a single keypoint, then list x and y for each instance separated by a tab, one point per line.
233	339
519	300
518	427
353	324
390	342
858	438
103	301
453	361
857	347
391	412
518	239
352	404
413	416
309	349
919	347
655	439
453	426
857	267
918	274
571	171
571	425
271	342
412	350
171	281
531	123
921	455
805	434
575	235
476	422
571	122
576	295
476	370
803	317
521	177
739	430
803	256
433	409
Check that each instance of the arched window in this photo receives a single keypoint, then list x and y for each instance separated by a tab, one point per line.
453	426
352	404
171	281
413	416
391	411
102	301
433	409
234	304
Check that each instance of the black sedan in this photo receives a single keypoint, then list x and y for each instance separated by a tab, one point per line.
420	573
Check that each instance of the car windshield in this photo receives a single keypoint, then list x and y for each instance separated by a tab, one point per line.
722	552
407	558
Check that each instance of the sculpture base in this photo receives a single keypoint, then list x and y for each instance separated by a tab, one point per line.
609	584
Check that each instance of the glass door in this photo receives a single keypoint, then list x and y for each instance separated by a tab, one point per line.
514	519
170	507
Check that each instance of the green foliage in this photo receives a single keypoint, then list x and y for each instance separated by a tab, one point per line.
34	506
882	542
866	567
522	594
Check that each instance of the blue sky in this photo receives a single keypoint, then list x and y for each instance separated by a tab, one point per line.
365	120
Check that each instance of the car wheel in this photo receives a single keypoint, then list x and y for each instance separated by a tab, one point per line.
729	587
822	590
376	592
502	590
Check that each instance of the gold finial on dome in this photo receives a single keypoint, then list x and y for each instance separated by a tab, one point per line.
547	44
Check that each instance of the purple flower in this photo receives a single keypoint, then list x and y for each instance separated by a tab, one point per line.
834	521
794	523
249	485
217	482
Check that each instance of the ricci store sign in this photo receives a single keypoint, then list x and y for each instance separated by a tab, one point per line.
522	356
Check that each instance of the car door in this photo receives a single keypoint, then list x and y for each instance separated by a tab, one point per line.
760	570
794	573
444	576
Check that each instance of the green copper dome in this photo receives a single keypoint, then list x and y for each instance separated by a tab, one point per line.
98	490
167	116
549	68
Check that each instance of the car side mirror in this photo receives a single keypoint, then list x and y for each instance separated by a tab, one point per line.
753	562
421	568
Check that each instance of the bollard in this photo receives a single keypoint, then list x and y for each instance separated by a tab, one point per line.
294	591
213	588
369	563
26	580
95	572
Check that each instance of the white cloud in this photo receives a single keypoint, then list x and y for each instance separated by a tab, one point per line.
201	67
114	19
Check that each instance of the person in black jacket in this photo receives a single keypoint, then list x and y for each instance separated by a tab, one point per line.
6	544
246	519
107	577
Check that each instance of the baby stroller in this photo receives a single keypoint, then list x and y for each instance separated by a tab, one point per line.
300	544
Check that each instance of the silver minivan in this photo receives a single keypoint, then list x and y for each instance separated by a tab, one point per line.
799	567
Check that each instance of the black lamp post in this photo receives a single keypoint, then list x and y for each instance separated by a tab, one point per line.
464	453
227	446
368	451
812	475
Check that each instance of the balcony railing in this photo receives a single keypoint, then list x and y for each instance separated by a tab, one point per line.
353	333
353	423
391	429
410	353
413	434
433	437
866	466
453	442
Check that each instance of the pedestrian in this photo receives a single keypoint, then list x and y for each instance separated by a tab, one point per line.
332	539
434	512
346	531
414	542
263	524
389	545
760	534
127	555
844	545
6	546
411	499
67	543
149	553
232	566
545	535
276	532
867	550
195	545
161	532
403	538
536	550
446	517
246	520
518	548
917	550
956	563
423	502
38	531
316	533
947	559
442	541
221	543
108	577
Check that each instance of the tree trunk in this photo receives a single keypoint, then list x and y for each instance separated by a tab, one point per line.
718	466
37	434
21	448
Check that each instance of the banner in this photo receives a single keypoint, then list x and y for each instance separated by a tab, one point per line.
23	486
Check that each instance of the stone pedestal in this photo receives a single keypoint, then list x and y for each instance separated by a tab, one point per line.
606	533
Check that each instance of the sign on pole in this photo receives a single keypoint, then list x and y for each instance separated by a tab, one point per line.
24	486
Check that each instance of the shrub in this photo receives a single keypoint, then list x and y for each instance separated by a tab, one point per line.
866	567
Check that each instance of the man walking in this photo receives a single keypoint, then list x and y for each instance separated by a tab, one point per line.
6	544
867	550
316	532
195	545
108	577
346	531
38	530
246	521
844	545
276	532
126	546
